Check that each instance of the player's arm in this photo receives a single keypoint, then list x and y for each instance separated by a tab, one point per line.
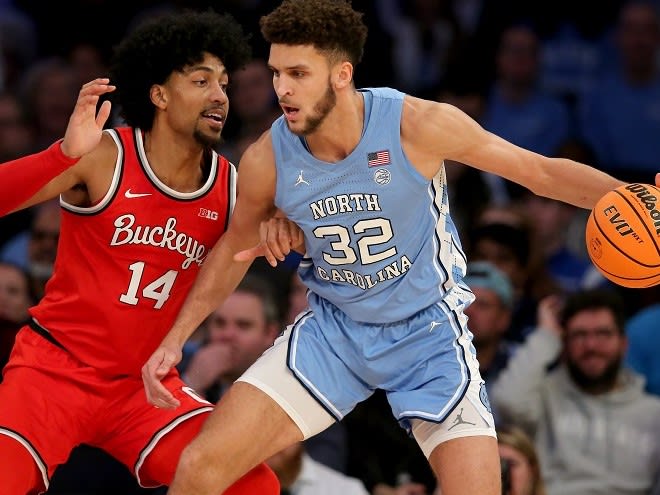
220	272
35	178
432	132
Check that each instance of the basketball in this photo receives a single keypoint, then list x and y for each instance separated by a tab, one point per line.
623	235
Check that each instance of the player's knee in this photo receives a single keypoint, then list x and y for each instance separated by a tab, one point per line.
195	458
260	480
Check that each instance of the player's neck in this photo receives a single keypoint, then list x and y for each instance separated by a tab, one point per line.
178	165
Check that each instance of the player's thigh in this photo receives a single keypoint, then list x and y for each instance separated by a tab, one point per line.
273	377
41	398
468	464
146	439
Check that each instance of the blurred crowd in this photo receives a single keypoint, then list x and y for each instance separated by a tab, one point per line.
571	361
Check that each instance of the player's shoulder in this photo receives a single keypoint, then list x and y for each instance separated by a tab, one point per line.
415	107
102	156
262	148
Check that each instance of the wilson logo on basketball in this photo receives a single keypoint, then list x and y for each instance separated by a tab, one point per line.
649	201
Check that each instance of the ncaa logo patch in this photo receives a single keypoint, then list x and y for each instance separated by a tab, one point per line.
382	176
483	396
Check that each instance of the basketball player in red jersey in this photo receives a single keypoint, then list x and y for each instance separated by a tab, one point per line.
141	208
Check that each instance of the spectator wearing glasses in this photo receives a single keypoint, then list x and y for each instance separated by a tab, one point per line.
595	429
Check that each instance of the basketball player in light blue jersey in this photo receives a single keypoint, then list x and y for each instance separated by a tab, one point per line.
361	173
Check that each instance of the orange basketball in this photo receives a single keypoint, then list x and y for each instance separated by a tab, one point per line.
623	235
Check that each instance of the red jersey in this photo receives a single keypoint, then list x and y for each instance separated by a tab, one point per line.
125	265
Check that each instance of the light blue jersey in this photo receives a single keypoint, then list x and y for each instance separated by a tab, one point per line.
381	245
384	267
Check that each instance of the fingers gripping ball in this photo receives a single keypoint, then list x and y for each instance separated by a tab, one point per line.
623	235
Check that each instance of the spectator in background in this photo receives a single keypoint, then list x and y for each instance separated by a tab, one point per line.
16	137
381	454
508	245
517	108
299	474
595	429
620	117
15	299
238	332
18	45
253	105
521	470
49	90
425	38
643	345
88	61
16	140
474	187
489	318
576	44
35	250
552	221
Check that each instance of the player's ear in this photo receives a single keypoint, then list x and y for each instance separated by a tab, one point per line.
344	75
158	96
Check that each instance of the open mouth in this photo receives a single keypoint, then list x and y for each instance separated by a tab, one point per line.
215	117
290	111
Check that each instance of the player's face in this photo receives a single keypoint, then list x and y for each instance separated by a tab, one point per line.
240	324
196	100
302	81
14	294
594	348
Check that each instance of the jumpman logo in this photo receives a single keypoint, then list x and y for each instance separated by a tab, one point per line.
433	325
458	420
301	180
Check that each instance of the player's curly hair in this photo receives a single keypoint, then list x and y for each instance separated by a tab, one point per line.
166	44
331	26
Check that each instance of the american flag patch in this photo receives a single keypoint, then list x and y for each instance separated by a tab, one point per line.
378	158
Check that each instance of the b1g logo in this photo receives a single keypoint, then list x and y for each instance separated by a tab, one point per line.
211	215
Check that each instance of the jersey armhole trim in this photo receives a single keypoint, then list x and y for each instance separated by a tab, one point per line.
113	184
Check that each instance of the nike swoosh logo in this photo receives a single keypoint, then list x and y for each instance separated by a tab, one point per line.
129	194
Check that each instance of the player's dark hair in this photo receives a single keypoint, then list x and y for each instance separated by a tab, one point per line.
331	26
167	44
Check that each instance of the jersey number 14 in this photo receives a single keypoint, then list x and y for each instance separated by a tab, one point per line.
158	290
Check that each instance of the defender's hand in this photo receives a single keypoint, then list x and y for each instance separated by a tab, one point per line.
279	236
155	369
85	126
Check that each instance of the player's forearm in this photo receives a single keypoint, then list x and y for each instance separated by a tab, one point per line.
20	179
576	183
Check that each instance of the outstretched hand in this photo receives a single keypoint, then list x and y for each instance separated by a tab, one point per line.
279	236
657	179
154	370
85	126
